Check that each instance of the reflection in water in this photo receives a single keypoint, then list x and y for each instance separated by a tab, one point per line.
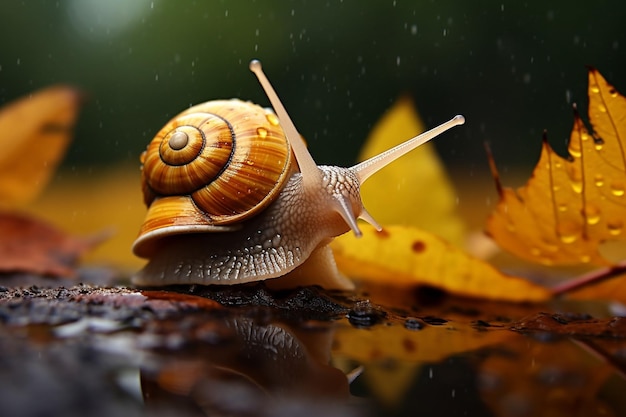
73	350
255	369
458	367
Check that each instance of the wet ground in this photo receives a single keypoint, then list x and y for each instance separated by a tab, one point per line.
248	351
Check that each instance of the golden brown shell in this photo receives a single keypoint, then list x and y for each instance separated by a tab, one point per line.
210	167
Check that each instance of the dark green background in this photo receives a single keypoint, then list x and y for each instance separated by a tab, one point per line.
512	68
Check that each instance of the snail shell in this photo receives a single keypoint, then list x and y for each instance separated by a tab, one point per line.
211	167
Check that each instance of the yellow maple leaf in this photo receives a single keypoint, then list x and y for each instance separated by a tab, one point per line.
571	205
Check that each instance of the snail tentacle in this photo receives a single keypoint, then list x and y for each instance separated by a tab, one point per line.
367	168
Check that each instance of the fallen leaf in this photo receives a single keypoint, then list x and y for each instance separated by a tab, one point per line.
571	205
33	246
35	133
89	202
418	179
401	255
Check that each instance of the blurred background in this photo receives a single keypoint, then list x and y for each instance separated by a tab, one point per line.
512	68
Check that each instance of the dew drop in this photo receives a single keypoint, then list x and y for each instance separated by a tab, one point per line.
617	188
550	247
562	207
599	180
568	231
577	186
615	227
592	214
594	89
575	153
262	132
598	146
272	118
602	108
568	238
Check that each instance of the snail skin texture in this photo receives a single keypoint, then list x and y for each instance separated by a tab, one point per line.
234	196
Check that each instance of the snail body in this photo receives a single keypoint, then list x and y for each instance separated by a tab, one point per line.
260	214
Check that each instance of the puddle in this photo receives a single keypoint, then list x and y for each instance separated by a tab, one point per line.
86	350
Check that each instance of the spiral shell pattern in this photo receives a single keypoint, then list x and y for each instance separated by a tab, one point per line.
230	156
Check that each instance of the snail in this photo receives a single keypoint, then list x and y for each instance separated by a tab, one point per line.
234	196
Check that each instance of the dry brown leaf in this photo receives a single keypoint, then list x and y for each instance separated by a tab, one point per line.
90	202
33	246
35	132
